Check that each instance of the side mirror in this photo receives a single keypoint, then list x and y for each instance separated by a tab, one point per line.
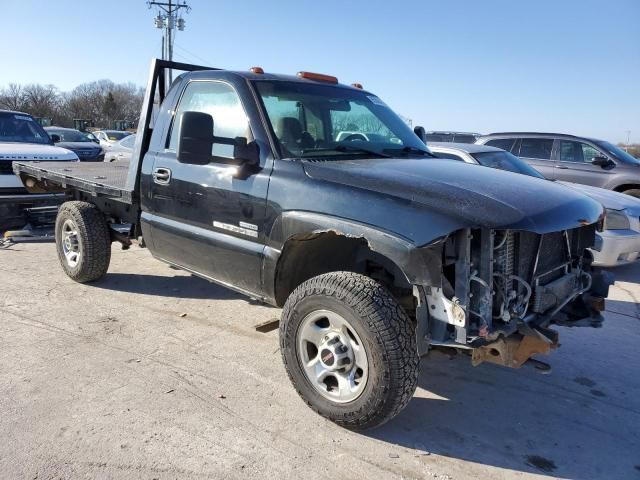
421	133
248	153
601	161
196	138
55	138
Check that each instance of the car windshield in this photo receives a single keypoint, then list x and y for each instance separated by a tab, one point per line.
16	127
128	141
505	161
72	135
311	120
617	152
115	135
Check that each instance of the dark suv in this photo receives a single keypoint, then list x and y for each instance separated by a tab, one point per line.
573	159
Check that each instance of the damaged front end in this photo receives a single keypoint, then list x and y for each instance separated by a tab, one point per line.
502	289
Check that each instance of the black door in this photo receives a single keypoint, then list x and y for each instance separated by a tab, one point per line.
207	218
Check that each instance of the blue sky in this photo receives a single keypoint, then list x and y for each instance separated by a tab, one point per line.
571	66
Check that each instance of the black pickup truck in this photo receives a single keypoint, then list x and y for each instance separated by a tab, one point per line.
314	196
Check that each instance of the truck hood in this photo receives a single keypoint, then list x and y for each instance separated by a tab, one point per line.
475	196
31	151
608	198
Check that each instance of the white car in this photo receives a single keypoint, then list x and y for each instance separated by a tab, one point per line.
121	150
617	244
109	137
23	139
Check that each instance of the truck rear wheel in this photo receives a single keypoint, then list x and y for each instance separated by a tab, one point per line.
83	241
349	349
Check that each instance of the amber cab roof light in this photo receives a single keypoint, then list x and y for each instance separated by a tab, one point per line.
257	70
319	77
357	85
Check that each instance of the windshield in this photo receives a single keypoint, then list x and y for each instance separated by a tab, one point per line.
72	135
617	152
505	161
312	120
128	141
114	135
15	127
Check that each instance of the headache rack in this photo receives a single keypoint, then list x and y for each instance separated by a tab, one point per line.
117	181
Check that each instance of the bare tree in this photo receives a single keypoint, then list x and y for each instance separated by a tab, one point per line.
42	100
13	97
104	102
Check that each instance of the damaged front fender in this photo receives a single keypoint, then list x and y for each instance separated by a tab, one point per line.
418	265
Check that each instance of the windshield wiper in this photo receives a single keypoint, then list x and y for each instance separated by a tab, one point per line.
409	149
348	149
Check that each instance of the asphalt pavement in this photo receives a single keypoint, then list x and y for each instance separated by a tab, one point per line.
153	373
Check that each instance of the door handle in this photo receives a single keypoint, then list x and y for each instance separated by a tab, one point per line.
562	167
161	176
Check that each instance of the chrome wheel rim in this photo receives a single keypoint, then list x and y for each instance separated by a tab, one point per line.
70	243
332	356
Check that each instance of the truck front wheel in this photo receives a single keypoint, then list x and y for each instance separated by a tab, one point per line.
83	241
349	349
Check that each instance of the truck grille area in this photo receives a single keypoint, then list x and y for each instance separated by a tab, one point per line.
514	275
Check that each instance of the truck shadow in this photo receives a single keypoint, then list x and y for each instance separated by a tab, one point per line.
177	286
518	420
627	273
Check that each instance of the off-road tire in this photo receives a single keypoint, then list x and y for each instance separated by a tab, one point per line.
634	192
94	241
387	333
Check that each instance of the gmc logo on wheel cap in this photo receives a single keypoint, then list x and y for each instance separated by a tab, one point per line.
327	357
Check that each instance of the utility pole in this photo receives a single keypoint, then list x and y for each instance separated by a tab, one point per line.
626	146
169	18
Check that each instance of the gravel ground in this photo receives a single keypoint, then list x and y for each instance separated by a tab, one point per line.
152	373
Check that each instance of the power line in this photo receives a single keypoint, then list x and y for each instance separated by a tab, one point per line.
168	19
200	59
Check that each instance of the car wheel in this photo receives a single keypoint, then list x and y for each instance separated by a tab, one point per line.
82	241
349	349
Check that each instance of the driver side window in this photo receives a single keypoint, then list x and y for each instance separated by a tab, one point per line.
219	100
577	152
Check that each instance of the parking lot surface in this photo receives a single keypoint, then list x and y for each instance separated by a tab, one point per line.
153	373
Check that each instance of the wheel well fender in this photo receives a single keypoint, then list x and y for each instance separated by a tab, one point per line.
626	186
312	244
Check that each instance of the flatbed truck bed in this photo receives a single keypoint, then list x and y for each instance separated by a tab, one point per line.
96	179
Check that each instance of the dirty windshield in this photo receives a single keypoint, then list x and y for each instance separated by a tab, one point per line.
16	127
311	120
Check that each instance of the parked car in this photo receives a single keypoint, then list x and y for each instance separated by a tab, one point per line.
22	138
458	137
376	251
108	137
83	144
121	150
619	240
573	159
